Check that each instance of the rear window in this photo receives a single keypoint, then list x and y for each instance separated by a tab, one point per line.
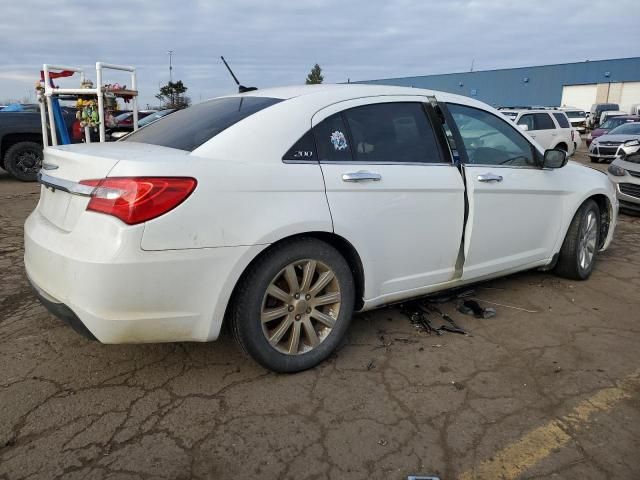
575	114
189	128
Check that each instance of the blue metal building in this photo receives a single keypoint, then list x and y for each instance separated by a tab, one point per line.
539	85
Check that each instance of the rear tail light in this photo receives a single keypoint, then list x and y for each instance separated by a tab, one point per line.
138	199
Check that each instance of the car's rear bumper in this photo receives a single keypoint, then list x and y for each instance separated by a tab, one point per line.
119	293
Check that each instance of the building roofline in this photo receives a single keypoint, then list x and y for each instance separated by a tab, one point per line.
498	69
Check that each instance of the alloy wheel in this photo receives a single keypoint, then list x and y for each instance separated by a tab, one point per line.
300	307
588	238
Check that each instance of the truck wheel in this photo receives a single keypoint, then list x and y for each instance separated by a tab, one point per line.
23	160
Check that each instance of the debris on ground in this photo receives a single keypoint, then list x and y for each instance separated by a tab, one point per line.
421	311
471	307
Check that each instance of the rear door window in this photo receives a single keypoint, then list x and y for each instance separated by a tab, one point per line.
392	132
543	121
189	128
562	120
332	140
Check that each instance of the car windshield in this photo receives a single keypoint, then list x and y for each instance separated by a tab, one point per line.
154	116
123	116
626	129
189	128
575	114
613	123
511	115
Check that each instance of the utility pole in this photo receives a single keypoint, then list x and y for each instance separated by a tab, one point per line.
170	52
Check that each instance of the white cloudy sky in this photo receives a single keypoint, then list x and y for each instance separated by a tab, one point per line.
276	42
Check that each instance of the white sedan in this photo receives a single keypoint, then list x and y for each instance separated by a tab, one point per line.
283	211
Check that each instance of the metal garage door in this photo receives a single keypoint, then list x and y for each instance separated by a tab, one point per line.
581	96
630	95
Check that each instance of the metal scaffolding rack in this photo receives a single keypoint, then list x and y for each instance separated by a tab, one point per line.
99	91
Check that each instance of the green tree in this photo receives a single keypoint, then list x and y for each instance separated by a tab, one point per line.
172	95
315	75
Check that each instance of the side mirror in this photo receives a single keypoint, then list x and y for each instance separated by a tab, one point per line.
554	158
523	126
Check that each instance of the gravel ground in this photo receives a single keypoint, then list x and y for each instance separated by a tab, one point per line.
549	389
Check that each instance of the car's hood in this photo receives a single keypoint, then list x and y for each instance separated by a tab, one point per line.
617	138
633	166
598	132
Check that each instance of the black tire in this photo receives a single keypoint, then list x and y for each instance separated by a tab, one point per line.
569	264
563	147
246	309
594	159
23	160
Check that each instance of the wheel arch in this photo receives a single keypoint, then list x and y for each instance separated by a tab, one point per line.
344	247
606	216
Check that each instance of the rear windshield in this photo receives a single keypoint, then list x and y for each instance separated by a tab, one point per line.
575	114
189	128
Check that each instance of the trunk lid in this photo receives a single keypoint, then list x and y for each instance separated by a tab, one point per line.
69	164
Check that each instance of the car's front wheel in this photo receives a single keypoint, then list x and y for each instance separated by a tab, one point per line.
578	252
293	305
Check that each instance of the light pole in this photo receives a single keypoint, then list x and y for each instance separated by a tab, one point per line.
170	52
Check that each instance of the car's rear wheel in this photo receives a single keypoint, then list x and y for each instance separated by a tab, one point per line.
578	253
23	160
563	147
294	305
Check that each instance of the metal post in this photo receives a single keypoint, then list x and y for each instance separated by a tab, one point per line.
43	120
134	100
100	94
170	52
48	93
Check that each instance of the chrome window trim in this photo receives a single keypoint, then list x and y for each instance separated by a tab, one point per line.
68	186
355	162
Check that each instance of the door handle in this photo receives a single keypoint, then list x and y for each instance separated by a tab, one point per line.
361	176
489	177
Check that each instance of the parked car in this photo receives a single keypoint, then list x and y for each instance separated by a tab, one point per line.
20	107
21	142
551	129
285	210
577	117
596	111
610	114
607	147
577	140
115	135
610	124
624	172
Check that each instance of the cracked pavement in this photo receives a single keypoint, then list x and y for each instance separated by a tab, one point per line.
392	401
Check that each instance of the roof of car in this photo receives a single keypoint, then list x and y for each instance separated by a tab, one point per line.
344	91
526	110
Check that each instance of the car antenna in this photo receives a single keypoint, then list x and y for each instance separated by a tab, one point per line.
241	88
